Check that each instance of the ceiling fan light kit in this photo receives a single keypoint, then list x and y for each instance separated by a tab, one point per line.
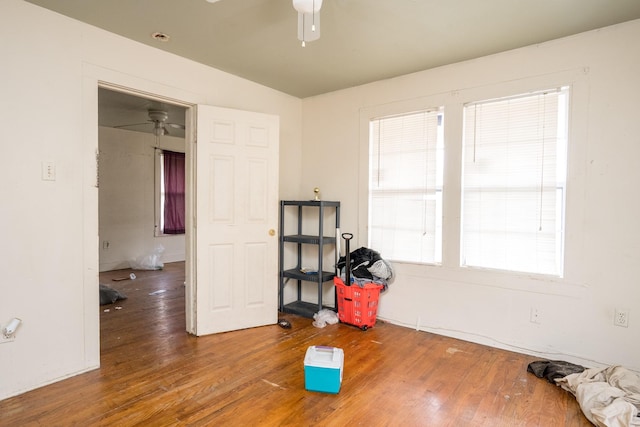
159	129
308	19
159	118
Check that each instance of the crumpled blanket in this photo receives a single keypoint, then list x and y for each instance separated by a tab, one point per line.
608	397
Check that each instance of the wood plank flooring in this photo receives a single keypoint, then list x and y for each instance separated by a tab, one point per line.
155	374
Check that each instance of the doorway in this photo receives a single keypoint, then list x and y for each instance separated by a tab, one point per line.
135	132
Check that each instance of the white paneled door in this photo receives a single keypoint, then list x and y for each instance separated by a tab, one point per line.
236	219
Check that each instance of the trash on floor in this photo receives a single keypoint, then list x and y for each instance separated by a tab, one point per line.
283	323
149	261
325	317
109	295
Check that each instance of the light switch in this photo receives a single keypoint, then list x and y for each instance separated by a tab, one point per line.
48	170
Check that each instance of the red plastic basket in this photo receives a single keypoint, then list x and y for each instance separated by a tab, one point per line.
357	305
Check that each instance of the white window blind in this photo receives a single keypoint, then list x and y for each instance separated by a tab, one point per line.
514	172
405	186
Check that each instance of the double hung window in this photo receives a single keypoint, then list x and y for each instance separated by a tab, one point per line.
405	186
171	193
513	183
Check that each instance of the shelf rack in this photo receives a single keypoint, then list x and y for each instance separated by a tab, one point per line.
321	276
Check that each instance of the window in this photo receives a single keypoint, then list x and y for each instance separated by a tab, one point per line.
171	191
513	183
405	186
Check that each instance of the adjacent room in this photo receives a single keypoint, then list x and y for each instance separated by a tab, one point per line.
485	151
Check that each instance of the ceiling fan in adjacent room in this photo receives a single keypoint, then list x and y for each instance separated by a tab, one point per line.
157	119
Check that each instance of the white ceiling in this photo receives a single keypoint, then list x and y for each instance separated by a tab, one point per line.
361	40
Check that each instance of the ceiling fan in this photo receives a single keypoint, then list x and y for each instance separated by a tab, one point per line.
157	118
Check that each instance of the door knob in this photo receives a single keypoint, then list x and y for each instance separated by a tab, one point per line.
272	232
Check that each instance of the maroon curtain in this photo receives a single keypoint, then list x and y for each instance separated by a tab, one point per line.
173	192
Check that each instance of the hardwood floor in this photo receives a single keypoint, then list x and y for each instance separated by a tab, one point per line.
155	374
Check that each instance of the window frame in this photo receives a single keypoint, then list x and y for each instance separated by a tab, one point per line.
560	192
424	192
453	100
158	225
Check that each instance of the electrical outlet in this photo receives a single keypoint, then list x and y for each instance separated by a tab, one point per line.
48	170
105	245
621	318
535	315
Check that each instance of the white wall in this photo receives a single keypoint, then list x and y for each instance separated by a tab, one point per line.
127	199
51	66
602	266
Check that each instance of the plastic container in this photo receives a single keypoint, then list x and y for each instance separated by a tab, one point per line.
357	306
323	369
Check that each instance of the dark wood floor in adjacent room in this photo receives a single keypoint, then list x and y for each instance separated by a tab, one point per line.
155	374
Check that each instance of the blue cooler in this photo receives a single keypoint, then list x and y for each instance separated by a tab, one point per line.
323	369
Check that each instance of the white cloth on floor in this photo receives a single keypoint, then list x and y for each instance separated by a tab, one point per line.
608	397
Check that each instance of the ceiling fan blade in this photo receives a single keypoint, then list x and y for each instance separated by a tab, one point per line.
176	125
132	124
157	118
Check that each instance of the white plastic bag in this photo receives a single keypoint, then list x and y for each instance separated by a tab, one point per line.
324	317
150	261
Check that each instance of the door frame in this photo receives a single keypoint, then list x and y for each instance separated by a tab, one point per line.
190	238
